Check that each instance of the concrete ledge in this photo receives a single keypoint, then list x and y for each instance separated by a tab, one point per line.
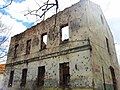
66	89
58	88
72	50
8	89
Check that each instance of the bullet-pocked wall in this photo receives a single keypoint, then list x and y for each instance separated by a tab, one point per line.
40	58
79	69
103	54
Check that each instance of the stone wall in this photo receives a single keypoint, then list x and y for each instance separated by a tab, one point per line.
103	54
1	80
79	67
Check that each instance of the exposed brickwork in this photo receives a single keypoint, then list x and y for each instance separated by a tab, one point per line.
2	68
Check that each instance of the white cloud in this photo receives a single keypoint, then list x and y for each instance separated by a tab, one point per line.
109	7
15	26
2	2
114	24
113	9
17	10
118	52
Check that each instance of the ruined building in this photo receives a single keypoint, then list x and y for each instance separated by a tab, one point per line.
76	53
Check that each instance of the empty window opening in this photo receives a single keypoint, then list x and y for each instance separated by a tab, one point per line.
113	78
28	46
24	76
107	43
43	41
11	79
64	74
16	49
65	32
41	75
102	19
103	78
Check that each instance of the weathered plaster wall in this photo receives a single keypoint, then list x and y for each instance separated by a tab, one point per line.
101	57
1	80
81	76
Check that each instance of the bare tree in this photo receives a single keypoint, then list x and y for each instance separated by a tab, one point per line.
4	33
4	30
43	9
6	5
4	36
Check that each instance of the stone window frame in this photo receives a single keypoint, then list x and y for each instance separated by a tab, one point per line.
15	50
40	76
102	19
64	74
28	46
43	45
113	75
107	44
65	40
11	78
24	77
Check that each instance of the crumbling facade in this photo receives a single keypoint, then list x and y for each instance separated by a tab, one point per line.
42	58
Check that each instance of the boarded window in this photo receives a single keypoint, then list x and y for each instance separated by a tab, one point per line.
41	75
28	46
64	74
11	79
64	32
107	43
113	78
43	41
15	51
23	79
